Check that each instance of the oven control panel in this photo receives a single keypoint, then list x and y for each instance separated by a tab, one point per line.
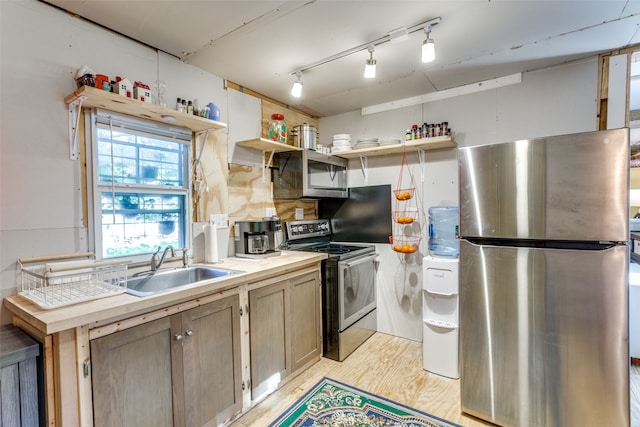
310	228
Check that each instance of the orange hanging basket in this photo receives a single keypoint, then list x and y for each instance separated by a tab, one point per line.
404	193
406	216
405	245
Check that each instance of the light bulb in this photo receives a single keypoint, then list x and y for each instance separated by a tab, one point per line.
296	89
428	50
370	69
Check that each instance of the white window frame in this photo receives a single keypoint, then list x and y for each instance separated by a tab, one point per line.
95	188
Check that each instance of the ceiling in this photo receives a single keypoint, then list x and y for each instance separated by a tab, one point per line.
258	44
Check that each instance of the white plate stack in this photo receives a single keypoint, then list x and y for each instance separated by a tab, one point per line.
341	142
367	143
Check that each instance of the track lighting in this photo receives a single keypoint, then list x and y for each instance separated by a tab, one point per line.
296	89
394	36
370	65
428	47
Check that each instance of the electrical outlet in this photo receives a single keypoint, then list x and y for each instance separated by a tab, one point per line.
299	214
270	212
219	220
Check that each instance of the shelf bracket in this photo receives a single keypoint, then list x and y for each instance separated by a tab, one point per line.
364	165
422	157
204	141
266	165
75	107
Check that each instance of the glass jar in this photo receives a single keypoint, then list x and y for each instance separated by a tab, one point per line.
278	128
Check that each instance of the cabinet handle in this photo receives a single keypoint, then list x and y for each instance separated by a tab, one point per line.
178	337
189	332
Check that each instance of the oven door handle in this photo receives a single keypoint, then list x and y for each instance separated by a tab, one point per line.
358	260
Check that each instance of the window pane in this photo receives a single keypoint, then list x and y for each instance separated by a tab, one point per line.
139	159
141	185
137	223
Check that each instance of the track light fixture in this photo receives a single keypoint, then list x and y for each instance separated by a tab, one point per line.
296	89
397	35
370	65
428	47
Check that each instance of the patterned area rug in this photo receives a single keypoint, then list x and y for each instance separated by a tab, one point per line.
333	404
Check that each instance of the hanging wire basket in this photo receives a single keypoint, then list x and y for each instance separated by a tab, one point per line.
404	194
404	217
405	245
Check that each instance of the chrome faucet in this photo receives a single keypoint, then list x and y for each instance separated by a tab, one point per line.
155	263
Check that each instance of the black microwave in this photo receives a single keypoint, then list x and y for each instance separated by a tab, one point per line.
308	174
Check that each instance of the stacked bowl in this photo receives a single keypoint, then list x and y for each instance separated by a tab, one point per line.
341	142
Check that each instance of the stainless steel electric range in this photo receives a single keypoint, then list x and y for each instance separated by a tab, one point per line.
348	286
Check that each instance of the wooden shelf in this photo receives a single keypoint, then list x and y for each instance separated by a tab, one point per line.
435	143
263	144
97	98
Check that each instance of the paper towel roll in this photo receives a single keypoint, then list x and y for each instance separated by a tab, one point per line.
210	243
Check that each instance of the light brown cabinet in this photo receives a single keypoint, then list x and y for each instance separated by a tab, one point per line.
181	370
121	363
284	329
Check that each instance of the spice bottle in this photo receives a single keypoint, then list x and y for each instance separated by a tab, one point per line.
408	135
278	128
414	132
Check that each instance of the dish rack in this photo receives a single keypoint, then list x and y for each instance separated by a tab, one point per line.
57	281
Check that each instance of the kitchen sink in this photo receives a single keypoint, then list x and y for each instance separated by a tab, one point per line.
166	280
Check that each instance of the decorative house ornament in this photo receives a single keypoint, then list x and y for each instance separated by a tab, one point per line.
123	87
141	92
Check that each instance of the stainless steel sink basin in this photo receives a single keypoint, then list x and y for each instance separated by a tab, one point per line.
166	280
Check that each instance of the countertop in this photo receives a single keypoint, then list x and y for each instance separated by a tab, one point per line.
125	305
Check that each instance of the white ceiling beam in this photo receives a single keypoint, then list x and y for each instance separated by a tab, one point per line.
444	94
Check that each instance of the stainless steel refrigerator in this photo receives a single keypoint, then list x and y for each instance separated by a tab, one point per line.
543	280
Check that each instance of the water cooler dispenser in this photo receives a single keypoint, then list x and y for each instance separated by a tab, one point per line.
440	294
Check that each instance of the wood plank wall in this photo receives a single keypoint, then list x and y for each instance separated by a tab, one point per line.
238	189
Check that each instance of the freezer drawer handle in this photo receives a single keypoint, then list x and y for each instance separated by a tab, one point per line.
441	324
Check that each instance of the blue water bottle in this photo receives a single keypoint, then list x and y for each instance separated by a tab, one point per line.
443	231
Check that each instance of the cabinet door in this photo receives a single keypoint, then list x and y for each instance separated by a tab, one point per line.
212	365
305	320
270	340
132	371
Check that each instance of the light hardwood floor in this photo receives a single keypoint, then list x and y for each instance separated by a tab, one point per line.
391	367
385	365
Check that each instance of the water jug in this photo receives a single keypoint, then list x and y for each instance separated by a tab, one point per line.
443	231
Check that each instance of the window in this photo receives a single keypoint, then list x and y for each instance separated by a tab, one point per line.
138	182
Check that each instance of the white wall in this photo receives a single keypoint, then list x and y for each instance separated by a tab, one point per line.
40	195
551	102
